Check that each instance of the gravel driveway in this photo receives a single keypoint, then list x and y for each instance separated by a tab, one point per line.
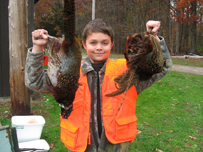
188	69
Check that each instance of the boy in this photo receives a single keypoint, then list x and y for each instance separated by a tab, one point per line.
88	127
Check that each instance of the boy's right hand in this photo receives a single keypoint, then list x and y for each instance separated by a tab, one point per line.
39	39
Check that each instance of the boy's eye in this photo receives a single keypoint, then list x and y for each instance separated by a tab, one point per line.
93	43
105	43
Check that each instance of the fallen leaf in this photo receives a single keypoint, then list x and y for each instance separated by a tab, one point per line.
188	146
146	123
186	103
139	132
192	137
159	150
52	145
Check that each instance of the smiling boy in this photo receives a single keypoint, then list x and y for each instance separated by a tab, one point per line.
98	46
88	127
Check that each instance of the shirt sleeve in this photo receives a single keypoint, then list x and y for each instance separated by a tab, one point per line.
142	85
36	78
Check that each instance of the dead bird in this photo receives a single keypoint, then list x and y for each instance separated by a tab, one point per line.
65	59
144	58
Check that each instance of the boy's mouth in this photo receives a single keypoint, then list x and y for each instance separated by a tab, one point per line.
99	54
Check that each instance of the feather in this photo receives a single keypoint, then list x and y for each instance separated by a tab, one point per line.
65	59
144	59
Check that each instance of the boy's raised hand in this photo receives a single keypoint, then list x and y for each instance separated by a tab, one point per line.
155	25
39	39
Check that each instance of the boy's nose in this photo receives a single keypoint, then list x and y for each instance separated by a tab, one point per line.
99	47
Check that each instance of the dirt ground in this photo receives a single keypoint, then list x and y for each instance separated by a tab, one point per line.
5	102
34	96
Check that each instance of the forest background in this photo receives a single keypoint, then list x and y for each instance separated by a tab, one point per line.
181	20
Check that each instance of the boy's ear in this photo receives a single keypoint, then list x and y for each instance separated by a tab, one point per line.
83	43
112	44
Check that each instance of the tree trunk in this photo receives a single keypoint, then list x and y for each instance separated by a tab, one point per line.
186	37
193	29
171	39
179	31
168	28
18	43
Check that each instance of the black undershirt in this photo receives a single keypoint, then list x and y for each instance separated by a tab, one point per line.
97	67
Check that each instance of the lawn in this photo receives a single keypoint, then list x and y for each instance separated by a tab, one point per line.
188	62
170	116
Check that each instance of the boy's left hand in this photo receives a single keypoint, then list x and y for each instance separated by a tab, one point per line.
155	25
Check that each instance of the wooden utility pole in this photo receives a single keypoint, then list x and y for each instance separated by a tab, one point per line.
93	9
18	44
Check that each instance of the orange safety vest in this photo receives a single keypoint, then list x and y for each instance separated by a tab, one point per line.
75	131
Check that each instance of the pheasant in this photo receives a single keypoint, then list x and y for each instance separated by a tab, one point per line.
64	61
144	59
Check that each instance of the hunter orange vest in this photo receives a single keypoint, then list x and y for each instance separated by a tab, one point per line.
75	131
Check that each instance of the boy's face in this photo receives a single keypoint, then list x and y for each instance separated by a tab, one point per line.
98	46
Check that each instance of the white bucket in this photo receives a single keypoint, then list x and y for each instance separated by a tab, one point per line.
28	128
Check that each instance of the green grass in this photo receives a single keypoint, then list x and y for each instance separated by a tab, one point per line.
189	62
170	115
116	56
51	131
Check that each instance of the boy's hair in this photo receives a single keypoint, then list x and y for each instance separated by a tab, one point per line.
97	25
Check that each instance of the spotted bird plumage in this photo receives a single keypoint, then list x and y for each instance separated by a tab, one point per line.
144	58
64	60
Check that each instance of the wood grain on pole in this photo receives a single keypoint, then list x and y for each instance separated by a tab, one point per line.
18	44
